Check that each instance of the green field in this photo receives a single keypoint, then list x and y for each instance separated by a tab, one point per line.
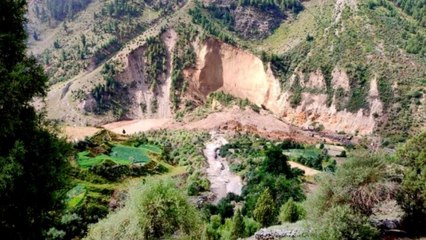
76	195
307	153
120	154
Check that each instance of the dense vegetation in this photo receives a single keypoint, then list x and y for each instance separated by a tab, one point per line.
183	57
417	9
271	183
100	166
60	9
199	16
112	24
345	203
183	149
110	96
32	159
155	64
412	197
294	5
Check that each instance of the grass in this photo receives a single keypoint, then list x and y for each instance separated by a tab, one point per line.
120	154
76	195
307	153
292	32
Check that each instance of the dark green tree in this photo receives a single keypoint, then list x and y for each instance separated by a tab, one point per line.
276	162
32	160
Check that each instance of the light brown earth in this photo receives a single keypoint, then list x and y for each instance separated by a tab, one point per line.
308	171
231	119
222	67
79	133
135	126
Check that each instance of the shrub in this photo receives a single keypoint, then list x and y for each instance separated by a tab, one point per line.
342	154
250	226
156	211
340	223
291	212
412	196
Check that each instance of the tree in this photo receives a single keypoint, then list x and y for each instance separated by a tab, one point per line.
264	208
238	227
156	211
32	160
289	212
212	229
412	196
276	162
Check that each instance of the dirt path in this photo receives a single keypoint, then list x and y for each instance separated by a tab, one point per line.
135	126
222	180
308	171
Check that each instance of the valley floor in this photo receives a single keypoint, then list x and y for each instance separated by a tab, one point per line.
233	119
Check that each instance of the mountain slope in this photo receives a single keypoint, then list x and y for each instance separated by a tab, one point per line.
340	66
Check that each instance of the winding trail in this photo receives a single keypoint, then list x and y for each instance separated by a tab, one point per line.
222	180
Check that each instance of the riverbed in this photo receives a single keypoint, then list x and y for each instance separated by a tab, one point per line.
222	179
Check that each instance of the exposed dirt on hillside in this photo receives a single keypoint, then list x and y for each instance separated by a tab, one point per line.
164	109
340	80
248	121
220	66
315	80
376	106
223	67
340	5
231	120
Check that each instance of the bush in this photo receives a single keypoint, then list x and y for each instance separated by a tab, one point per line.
291	212
412	196
340	223
156	211
250	226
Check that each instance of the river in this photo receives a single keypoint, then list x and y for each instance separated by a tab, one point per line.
222	180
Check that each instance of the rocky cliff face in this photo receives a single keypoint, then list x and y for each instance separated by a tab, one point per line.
223	67
142	95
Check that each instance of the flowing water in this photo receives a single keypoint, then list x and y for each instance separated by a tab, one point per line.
222	180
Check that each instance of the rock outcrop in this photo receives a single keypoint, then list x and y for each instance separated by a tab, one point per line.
280	232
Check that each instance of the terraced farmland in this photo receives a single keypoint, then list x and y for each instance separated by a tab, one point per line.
119	154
